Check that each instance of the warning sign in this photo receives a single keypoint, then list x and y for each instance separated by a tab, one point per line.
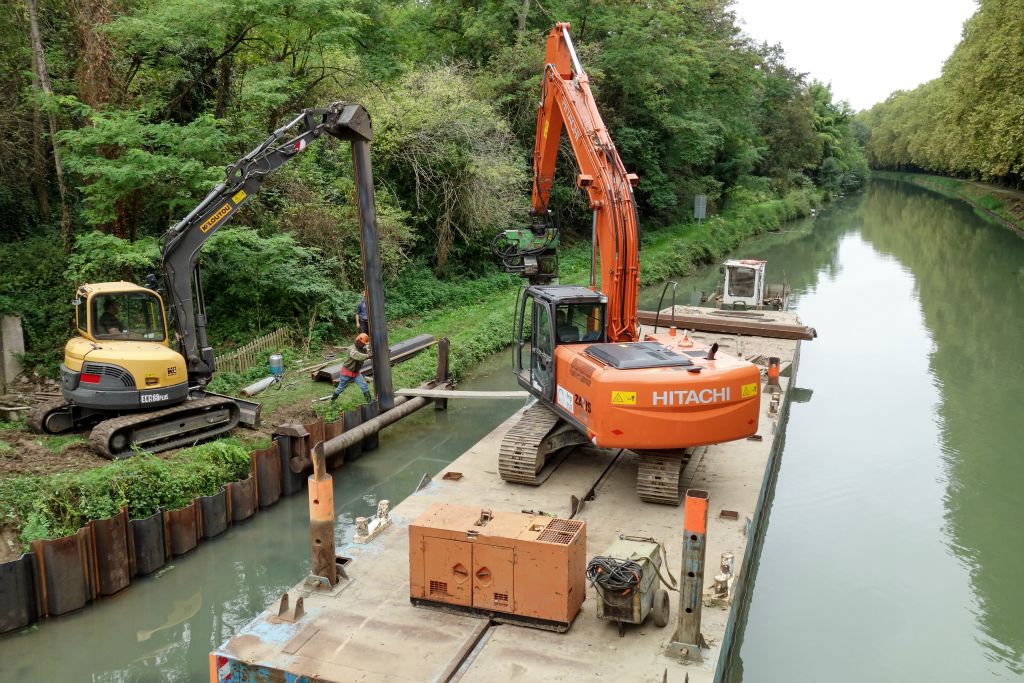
623	398
749	390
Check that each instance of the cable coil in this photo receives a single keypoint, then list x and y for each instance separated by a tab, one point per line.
614	575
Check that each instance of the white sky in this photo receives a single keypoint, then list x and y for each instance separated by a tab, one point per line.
866	49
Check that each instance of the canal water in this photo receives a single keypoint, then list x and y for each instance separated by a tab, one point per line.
163	627
894	548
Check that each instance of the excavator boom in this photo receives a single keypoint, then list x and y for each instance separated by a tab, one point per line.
184	241
567	103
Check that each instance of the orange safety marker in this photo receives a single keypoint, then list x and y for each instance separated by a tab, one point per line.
773	385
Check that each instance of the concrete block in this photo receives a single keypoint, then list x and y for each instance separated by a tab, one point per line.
12	344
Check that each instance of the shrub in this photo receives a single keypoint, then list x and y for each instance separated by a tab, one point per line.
59	504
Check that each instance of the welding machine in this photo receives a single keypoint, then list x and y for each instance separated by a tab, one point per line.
627	578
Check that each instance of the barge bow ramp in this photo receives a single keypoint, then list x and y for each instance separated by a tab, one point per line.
365	629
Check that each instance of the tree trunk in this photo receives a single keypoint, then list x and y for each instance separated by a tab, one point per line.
94	74
523	14
224	87
39	156
39	59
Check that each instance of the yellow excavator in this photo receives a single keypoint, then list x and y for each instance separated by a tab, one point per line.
122	375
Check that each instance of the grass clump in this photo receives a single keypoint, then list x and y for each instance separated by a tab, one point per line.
56	505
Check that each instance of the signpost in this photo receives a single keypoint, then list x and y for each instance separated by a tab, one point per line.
700	207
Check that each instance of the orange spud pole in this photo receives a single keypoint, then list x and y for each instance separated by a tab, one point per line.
321	518
695	523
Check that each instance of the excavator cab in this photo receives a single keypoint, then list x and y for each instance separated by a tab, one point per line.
548	316
121	358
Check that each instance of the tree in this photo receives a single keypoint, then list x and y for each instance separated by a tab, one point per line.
451	160
967	121
42	78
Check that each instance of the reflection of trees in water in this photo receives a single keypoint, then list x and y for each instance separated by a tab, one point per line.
815	252
802	250
967	278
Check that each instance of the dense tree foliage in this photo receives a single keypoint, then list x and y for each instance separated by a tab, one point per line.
150	99
970	120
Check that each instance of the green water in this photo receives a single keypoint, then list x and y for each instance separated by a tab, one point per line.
894	549
163	627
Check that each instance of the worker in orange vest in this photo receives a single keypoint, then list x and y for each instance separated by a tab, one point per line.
350	370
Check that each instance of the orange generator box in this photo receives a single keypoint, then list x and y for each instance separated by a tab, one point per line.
513	567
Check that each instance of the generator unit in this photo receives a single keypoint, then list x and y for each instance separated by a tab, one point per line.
512	567
627	581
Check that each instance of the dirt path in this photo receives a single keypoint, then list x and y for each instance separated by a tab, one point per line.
26	453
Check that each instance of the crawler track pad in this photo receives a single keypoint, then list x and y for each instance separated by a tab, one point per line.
523	456
181	425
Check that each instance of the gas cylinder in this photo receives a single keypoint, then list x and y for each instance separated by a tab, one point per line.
276	364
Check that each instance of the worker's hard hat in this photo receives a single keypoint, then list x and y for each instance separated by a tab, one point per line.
363	338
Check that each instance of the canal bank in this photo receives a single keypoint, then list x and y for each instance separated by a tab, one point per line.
992	202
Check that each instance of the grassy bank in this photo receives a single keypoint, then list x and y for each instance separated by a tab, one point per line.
55	505
991	202
478	323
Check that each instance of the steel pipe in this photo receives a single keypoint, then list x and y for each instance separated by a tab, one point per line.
321	519
258	387
403	407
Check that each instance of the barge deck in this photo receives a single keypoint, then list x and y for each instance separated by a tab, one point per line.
365	629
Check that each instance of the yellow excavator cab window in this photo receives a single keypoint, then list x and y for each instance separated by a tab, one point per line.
132	316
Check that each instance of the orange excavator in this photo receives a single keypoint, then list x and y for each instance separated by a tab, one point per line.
578	350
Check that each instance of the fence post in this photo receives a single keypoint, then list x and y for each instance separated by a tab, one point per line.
244	357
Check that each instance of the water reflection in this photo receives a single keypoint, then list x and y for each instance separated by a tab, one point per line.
893	546
970	290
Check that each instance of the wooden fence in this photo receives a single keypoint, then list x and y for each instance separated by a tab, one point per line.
249	355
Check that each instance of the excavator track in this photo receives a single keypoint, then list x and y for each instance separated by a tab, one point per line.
520	458
523	456
161	430
659	475
39	413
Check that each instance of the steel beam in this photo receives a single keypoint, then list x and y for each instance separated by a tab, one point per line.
372	278
727	325
443	347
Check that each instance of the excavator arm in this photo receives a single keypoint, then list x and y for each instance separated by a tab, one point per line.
184	241
568	104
